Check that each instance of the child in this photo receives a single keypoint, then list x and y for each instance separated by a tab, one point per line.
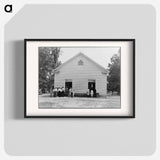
91	93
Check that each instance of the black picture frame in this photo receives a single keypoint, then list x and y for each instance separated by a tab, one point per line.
91	40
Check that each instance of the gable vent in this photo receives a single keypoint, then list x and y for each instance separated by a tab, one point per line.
80	62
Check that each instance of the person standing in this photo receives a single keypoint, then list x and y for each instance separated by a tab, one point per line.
60	92
55	92
92	93
88	92
54	89
51	92
63	91
70	92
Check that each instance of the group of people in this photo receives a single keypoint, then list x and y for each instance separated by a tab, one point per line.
69	92
57	92
61	92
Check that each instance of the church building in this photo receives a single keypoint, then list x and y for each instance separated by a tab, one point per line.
81	74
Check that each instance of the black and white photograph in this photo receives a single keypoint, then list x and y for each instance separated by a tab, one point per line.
79	78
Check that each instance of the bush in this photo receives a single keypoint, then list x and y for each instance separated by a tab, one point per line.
81	95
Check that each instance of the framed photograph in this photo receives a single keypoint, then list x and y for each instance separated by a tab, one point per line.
79	78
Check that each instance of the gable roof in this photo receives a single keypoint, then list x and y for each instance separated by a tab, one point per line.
81	54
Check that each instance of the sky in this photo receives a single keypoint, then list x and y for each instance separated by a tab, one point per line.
100	55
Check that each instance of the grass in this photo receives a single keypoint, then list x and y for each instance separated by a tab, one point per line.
47	102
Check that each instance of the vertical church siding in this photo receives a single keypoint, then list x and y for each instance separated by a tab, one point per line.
80	74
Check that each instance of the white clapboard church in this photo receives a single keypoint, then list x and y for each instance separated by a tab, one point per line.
81	73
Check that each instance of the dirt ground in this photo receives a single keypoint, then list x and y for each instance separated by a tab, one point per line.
47	102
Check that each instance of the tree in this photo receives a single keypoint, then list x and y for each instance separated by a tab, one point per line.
114	74
48	61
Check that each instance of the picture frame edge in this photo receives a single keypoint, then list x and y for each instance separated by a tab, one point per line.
78	39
